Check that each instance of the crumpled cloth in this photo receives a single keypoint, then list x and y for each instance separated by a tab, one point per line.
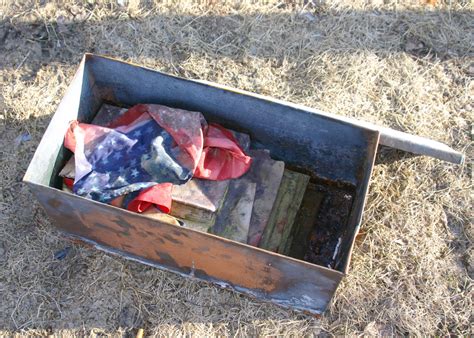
147	150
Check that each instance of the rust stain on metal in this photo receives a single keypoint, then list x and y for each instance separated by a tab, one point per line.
244	268
169	248
326	147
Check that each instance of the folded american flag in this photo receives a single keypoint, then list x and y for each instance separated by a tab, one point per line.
146	150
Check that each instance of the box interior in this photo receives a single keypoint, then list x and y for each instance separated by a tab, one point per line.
338	156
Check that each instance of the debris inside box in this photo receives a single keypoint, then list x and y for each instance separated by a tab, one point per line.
171	165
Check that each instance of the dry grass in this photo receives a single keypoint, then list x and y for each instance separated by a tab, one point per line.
408	66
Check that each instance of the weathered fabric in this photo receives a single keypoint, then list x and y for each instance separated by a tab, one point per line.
147	150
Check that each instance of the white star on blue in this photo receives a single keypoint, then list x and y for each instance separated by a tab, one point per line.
124	163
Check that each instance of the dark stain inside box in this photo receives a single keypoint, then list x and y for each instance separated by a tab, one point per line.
329	226
322	222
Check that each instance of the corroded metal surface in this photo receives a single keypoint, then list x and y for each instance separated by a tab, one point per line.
269	276
320	145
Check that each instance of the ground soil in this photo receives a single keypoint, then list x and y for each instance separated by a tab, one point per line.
406	65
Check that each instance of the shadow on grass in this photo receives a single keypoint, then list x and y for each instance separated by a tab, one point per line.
430	34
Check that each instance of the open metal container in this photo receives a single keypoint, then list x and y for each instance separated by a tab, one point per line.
326	147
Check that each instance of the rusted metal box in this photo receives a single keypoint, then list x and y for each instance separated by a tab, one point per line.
324	147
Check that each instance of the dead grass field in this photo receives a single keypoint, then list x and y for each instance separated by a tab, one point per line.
407	66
